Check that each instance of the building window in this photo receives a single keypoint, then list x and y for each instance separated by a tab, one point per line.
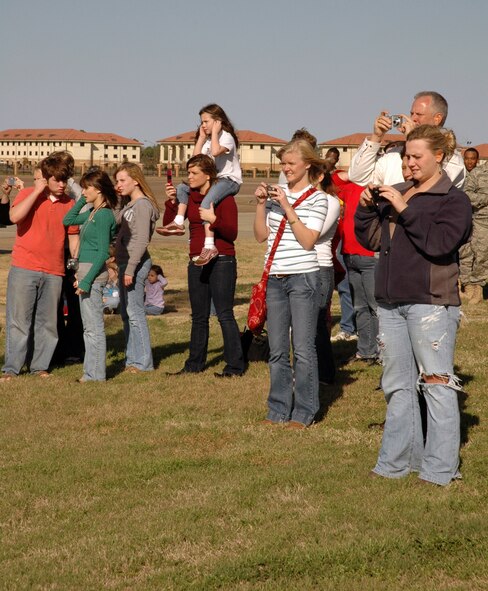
344	149
261	147
124	147
134	156
105	156
82	144
30	153
251	147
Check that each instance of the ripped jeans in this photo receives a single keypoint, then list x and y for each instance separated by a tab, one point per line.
417	345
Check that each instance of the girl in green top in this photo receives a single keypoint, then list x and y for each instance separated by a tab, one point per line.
97	232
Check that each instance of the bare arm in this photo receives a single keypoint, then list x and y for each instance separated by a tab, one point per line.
21	210
74	245
261	230
202	138
216	148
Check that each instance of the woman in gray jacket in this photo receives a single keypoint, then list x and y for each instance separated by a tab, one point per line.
137	222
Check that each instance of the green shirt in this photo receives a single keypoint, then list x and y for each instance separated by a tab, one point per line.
95	237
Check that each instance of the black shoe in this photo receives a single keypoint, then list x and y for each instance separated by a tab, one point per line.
228	375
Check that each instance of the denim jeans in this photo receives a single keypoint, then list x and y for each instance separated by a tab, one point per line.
293	301
138	343
415	341
348	316
152	310
91	308
361	271
32	304
323	345
215	281
218	191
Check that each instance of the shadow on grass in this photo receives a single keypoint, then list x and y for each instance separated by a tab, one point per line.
116	345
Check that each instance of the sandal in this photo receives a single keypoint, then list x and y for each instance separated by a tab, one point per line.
8	376
42	374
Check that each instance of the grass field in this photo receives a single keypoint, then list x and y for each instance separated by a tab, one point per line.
171	483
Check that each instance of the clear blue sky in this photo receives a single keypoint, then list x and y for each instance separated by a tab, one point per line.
144	68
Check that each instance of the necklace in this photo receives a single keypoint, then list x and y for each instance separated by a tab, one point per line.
94	211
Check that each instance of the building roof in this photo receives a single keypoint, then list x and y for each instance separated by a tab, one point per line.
63	135
356	139
245	136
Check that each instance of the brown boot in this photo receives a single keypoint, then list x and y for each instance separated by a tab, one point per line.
477	296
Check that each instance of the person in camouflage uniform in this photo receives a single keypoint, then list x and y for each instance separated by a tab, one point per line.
474	255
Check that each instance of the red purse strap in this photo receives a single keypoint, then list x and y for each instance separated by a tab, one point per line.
280	232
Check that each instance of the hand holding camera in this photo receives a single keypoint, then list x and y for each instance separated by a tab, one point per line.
376	197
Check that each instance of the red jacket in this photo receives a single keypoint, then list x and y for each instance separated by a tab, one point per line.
349	193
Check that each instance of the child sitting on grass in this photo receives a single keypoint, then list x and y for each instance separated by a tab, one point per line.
154	291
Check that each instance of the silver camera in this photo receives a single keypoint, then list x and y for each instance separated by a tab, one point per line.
72	264
396	120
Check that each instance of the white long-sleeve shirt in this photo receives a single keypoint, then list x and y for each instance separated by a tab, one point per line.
366	167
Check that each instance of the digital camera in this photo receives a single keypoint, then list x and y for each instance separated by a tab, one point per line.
376	197
271	190
72	264
396	120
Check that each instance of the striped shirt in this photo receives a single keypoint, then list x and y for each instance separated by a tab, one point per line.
290	256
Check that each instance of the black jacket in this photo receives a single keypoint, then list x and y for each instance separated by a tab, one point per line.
419	264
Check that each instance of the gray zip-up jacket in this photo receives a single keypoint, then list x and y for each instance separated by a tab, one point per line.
137	222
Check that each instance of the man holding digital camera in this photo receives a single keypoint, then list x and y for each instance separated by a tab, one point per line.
429	108
35	277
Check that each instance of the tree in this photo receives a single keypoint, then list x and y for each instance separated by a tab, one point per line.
150	156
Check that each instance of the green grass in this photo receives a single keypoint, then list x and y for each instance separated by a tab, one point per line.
157	482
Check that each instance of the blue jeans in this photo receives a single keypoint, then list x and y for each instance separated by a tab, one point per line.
323	345
91	308
214	282
348	316
293	301
32	304
152	310
361	271
138	343
218	191
417	341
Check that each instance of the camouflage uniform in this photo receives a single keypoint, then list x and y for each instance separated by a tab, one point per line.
474	255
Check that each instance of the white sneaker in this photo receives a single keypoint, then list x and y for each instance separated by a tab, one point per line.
343	336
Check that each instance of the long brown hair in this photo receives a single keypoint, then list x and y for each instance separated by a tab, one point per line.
95	177
135	173
219	114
